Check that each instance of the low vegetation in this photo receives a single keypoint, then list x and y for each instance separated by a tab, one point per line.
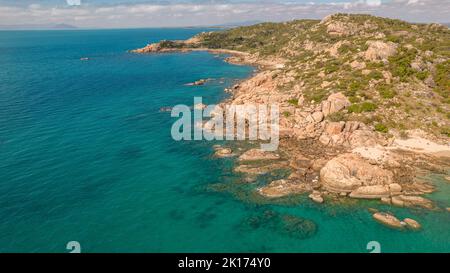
407	79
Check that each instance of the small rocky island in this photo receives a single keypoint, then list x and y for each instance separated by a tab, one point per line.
364	102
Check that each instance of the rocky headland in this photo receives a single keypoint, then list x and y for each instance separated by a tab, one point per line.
364	105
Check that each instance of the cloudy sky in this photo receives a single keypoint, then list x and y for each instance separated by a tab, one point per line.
154	13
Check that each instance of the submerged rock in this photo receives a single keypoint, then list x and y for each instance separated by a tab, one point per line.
198	83
257	154
165	109
284	187
260	169
289	225
316	196
224	152
298	227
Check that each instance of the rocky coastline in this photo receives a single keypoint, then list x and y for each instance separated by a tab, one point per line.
328	158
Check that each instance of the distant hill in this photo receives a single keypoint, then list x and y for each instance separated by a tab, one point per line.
229	25
37	27
239	24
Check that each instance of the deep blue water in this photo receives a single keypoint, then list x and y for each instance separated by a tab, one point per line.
86	155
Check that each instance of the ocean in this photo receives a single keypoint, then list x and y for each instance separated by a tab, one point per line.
86	155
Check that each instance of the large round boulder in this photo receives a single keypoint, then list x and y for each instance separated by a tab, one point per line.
348	172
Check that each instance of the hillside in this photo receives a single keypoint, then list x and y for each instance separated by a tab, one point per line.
396	74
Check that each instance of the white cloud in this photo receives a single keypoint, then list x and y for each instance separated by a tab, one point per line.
374	3
73	2
204	13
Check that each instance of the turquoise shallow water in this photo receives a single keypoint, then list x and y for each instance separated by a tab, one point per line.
86	155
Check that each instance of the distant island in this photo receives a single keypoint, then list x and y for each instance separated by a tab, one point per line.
364	100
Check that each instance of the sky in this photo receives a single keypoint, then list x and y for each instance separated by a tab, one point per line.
175	13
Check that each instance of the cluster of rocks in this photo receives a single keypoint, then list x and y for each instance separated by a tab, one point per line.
312	123
256	162
379	50
408	201
257	154
284	187
223	152
200	106
350	173
345	26
150	48
198	83
391	221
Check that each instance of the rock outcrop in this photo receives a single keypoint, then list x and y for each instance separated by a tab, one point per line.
349	172
316	196
376	191
198	83
349	134
224	152
257	154
379	50
252	169
150	48
388	220
412	224
334	103
411	201
284	187
391	221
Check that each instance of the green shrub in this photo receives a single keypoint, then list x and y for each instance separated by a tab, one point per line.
442	79
362	107
380	127
355	86
393	38
404	135
171	44
293	102
337	116
344	49
354	99
332	66
422	75
375	74
446	131
286	114
401	63
317	95
386	92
